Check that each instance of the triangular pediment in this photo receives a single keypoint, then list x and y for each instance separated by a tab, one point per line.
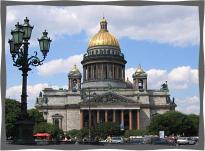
109	98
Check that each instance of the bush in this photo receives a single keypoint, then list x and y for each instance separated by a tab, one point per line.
73	133
106	129
129	133
84	132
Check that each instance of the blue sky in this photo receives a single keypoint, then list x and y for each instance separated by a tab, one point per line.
163	39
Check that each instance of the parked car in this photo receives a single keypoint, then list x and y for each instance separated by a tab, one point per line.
191	141
137	141
195	138
182	141
103	141
117	140
162	141
171	140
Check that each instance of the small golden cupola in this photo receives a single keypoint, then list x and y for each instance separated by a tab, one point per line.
103	37
139	70
74	71
140	79
74	79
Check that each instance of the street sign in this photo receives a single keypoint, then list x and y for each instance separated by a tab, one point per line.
161	134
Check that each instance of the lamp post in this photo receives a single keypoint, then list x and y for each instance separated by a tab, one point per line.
89	112
89	133
19	52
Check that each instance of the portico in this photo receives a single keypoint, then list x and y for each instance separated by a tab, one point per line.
110	107
129	117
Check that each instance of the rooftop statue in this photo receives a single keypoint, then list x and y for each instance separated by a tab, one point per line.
164	87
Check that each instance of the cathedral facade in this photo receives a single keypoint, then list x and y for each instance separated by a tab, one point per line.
102	94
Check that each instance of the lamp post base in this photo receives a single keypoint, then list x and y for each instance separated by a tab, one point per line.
24	129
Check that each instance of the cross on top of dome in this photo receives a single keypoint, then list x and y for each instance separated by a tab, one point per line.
103	24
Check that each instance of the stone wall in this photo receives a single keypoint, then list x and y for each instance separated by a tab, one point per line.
73	119
144	117
56	100
158	100
73	99
62	112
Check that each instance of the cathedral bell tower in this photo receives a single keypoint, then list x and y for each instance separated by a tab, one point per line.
140	79
74	79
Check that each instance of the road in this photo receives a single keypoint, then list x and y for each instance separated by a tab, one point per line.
107	146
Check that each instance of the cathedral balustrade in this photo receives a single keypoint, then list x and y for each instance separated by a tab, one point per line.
87	57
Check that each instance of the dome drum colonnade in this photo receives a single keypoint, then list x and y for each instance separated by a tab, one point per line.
103	60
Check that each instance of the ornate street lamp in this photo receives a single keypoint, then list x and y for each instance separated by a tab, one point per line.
44	43
19	51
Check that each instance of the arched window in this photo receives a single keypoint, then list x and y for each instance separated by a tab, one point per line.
56	123
140	84
57	120
74	85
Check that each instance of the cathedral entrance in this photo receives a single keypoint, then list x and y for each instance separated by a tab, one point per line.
127	119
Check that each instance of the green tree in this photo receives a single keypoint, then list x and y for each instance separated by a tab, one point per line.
106	129
12	109
174	122
73	133
192	125
36	116
44	127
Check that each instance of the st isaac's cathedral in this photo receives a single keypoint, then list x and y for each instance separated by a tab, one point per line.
103	91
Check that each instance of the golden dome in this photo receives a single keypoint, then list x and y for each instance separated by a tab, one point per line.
103	37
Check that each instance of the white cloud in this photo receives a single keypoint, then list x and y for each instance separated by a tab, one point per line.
178	78
183	77
60	65
156	77
129	72
177	25
188	105
33	91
